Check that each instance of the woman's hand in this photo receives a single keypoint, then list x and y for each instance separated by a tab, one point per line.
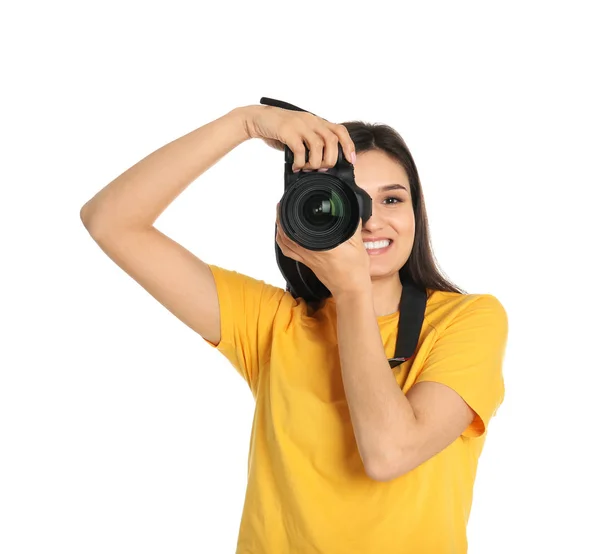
343	269
278	126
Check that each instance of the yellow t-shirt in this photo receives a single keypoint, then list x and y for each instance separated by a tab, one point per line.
307	490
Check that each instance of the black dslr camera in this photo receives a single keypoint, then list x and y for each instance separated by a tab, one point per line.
318	211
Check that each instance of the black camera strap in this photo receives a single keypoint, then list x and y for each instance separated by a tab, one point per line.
413	299
285	105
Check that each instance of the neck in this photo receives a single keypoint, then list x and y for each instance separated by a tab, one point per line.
386	295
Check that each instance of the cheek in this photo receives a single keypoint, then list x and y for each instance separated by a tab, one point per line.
405	231
404	226
407	224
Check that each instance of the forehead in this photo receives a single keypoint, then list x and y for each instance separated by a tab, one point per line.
374	169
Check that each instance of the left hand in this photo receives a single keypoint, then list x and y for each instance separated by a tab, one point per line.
345	268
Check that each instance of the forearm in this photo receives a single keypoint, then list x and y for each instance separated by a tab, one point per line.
379	411
137	197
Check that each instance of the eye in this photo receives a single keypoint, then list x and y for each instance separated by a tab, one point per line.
399	200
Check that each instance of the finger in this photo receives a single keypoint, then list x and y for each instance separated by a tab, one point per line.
282	237
296	145
315	147
287	245
344	137
330	155
280	234
278	240
284	245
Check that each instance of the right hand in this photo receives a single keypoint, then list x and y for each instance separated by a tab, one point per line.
299	130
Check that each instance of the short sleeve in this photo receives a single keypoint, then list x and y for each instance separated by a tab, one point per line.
247	308
468	356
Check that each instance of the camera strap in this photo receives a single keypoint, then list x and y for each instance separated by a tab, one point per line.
413	299
285	105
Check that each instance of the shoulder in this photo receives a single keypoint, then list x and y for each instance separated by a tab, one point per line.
444	307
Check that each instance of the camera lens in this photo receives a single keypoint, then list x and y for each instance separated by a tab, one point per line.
321	213
321	210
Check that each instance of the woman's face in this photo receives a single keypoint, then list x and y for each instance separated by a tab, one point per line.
393	216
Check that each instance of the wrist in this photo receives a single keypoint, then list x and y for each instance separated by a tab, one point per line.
353	294
244	115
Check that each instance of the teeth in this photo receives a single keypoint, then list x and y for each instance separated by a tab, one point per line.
376	245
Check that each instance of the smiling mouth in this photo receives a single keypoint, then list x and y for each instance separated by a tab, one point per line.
377	251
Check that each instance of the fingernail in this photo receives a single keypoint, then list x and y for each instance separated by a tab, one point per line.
353	157
323	169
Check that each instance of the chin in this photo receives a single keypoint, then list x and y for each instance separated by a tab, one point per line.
378	269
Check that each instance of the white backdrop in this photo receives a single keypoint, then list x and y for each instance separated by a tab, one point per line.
120	430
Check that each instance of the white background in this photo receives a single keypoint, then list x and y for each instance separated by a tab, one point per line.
120	430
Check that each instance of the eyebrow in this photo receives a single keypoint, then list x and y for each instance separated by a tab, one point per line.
392	187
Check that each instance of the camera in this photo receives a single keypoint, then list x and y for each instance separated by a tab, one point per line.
320	210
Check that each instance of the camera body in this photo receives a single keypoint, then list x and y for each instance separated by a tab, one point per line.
318	211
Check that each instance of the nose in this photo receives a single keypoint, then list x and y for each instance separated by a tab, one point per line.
375	222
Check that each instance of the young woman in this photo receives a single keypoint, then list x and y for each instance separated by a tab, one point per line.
347	454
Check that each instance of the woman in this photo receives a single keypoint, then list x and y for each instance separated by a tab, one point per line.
347	454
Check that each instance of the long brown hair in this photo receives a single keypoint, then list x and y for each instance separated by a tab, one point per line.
421	267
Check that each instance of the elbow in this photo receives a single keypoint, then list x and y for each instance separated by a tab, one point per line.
388	468
374	474
92	223
380	474
84	215
377	470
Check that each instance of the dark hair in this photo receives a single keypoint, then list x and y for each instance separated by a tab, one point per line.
421	266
